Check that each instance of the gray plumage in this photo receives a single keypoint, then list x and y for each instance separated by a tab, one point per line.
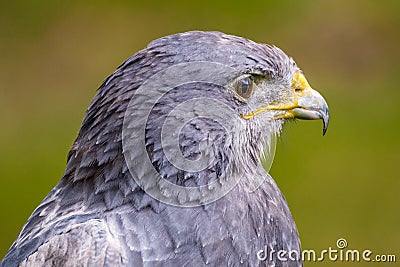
97	215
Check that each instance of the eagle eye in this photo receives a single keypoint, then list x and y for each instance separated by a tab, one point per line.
244	87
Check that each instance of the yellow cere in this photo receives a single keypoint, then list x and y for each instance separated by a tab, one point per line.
299	81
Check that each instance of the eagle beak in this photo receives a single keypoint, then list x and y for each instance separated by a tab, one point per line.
311	106
307	104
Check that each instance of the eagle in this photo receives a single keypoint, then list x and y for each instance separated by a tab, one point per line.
167	168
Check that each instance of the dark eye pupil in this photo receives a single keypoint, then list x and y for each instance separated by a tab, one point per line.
245	87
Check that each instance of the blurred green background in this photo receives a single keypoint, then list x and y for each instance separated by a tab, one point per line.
55	54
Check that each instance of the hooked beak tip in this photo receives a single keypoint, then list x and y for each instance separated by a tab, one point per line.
325	119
